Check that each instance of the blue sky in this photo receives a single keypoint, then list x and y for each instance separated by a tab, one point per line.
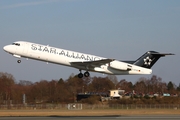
121	29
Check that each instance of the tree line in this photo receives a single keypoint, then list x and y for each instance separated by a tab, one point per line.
65	91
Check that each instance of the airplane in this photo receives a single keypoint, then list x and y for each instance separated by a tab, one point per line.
83	61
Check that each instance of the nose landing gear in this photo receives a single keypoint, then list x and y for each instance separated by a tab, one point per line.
18	61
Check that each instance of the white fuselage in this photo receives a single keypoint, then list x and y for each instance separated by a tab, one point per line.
66	57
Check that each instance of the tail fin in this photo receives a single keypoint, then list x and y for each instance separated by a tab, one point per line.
149	59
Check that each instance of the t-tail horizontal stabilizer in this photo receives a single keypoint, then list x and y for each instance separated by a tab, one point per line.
149	59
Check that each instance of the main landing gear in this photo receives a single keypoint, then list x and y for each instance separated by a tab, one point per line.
86	74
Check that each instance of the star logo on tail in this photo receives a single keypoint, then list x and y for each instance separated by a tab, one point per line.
147	61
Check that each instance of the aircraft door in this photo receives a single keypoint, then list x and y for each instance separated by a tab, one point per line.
25	48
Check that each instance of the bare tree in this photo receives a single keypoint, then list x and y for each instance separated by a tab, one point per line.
114	79
100	84
7	82
125	85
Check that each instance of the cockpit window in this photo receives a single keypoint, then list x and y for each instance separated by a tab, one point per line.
17	44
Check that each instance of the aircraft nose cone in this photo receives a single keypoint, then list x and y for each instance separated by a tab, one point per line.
6	48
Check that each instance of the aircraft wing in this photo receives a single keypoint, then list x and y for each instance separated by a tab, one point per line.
96	63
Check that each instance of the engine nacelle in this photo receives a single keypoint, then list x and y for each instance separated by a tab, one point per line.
120	66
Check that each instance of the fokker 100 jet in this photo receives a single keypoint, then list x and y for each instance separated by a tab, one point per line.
84	61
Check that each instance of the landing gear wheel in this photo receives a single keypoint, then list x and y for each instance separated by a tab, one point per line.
19	61
80	75
86	74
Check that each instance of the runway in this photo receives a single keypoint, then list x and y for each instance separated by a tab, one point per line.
157	117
